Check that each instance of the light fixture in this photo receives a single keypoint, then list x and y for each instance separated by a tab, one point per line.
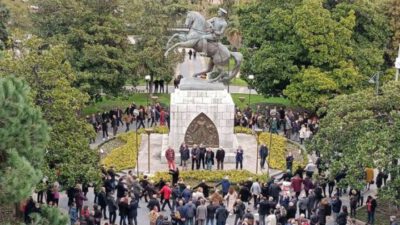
147	77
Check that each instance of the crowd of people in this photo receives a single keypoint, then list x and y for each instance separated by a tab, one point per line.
141	116
298	199
298	126
301	196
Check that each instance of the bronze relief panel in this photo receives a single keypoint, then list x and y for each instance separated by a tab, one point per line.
202	131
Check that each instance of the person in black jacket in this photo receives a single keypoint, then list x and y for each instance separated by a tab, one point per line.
209	158
132	211
342	217
185	154
202	156
264	208
238	209
102	200
244	194
175	175
205	187
97	214
153	202
195	157
220	156
123	206
211	208
112	208
121	189
323	211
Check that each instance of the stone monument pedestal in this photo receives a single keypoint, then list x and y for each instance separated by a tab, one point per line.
202	116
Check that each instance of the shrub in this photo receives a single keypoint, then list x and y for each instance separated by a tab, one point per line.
235	176
123	157
243	130
278	151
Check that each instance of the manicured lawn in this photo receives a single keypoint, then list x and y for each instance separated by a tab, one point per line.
382	215
124	102
141	99
238	82
254	99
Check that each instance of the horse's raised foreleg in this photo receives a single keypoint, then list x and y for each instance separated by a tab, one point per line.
185	44
172	38
209	69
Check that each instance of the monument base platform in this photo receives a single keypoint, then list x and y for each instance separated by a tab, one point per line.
202	117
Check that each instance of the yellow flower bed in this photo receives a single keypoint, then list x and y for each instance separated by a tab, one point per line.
123	157
278	152
242	130
235	176
157	130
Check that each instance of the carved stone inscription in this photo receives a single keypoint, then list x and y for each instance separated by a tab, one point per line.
202	131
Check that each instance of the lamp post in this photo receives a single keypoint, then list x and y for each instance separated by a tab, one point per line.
258	132
148	78
148	132
270	145
241	99
397	65
136	113
251	78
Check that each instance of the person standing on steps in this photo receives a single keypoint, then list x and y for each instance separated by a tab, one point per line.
170	156
239	158
195	157
202	155
185	155
220	156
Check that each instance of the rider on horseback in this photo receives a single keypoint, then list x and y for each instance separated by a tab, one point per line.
217	29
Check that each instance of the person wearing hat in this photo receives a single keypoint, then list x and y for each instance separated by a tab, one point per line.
217	29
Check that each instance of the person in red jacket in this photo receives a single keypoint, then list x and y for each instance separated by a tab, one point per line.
166	193
170	156
296	184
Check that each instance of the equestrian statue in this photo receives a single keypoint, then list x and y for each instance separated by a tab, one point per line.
205	36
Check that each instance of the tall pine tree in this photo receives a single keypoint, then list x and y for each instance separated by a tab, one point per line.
24	135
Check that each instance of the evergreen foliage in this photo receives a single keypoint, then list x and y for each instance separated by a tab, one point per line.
69	159
359	131
4	17
24	137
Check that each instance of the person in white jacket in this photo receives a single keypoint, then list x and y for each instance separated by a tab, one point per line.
256	192
271	218
302	133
